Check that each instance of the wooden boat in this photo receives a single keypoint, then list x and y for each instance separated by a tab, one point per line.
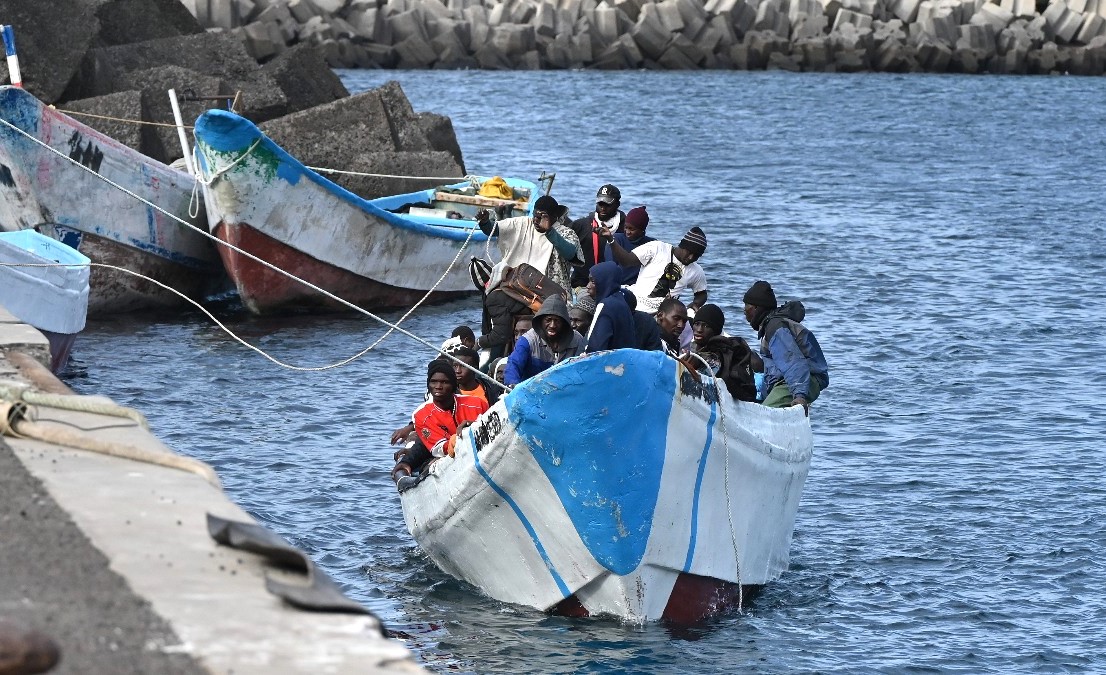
616	484
52	298
385	252
43	190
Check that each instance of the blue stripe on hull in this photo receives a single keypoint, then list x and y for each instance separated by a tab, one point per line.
604	464
523	519
699	487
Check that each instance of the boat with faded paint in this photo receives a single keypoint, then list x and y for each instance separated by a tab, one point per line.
384	252
43	190
44	283
620	484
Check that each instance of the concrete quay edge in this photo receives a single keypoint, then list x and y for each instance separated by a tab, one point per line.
149	521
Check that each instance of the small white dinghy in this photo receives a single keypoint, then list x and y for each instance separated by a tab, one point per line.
617	483
52	298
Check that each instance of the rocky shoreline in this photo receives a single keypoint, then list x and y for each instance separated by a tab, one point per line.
956	36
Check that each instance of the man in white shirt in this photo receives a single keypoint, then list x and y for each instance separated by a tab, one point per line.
666	270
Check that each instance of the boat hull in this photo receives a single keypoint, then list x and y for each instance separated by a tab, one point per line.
45	191
45	284
273	207
264	290
617	484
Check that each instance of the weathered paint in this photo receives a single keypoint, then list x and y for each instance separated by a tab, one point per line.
564	448
40	190
298	220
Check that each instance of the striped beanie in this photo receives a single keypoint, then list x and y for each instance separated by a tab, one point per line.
694	241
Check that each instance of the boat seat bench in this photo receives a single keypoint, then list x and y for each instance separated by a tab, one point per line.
478	201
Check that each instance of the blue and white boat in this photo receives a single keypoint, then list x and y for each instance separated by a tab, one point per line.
44	283
620	484
383	252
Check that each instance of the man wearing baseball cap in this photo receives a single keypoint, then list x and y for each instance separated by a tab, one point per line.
606	214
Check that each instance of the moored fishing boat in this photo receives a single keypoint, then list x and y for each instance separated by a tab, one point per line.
38	291
383	252
44	190
616	483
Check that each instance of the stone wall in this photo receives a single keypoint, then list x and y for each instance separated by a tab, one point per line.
967	36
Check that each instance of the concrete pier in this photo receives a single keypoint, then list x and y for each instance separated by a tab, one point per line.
111	558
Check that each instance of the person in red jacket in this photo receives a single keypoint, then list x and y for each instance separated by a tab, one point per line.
438	420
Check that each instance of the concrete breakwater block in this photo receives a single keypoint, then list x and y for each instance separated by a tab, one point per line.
50	51
341	135
124	105
506	34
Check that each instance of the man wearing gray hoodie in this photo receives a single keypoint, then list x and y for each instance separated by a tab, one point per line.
550	341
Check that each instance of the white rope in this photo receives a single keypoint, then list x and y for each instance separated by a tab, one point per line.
234	248
726	477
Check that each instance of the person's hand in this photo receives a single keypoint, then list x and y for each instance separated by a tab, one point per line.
604	233
400	435
400	471
800	400
482	215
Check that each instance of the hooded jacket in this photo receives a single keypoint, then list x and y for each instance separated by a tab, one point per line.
533	354
791	355
613	326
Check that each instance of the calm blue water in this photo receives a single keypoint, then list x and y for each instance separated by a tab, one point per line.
947	236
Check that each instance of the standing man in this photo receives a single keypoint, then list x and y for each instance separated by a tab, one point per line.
607	215
632	235
795	369
546	241
666	270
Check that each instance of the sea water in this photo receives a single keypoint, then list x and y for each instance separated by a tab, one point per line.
946	234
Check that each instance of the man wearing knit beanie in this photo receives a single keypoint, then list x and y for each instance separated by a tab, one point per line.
606	214
666	270
795	369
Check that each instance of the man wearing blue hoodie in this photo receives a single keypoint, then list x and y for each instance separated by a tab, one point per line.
613	326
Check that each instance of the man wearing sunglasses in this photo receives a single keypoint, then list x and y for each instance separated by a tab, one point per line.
546	241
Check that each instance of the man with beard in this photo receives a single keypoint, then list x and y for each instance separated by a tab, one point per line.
795	369
672	318
545	241
549	342
607	215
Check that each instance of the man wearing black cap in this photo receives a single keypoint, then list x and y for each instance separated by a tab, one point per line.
666	270
545	241
795	369
606	214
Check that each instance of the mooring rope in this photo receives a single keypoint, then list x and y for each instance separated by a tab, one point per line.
242	252
119	119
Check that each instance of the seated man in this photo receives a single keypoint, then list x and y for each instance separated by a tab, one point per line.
581	311
462	336
671	318
437	421
729	358
550	343
795	369
613	326
645	326
469	383
499	312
